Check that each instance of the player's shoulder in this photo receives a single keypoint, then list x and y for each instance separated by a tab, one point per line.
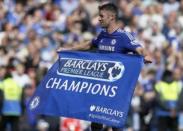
123	33
120	31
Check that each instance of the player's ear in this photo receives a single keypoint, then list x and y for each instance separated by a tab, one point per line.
113	16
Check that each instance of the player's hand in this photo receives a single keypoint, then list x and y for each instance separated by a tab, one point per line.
148	59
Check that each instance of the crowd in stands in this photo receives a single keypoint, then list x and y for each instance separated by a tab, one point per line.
31	31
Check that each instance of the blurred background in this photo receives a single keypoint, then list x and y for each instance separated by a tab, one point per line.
32	30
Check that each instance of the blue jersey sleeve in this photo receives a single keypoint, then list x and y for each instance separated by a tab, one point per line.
95	41
130	42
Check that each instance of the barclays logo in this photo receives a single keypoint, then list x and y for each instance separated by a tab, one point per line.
91	69
92	107
106	110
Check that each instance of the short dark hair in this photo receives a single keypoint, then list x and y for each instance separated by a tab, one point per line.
109	7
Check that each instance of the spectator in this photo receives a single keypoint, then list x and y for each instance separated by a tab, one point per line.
168	91
20	76
11	110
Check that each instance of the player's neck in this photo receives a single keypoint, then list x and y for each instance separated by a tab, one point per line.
112	27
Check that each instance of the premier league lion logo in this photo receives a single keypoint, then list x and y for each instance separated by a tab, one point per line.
116	71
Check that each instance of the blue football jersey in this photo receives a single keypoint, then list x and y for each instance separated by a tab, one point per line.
119	41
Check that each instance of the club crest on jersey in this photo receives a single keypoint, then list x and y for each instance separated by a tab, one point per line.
113	42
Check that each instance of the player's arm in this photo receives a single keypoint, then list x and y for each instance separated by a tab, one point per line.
141	51
80	46
132	44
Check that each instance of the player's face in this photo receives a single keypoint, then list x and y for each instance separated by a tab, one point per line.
105	18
